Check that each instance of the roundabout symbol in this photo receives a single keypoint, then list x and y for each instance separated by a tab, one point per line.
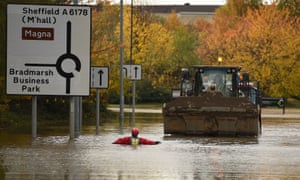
59	63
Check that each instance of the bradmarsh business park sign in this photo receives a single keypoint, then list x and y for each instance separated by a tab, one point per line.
48	50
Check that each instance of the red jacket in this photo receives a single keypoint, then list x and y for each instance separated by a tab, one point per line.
135	141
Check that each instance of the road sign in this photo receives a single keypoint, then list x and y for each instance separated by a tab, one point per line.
133	71
48	50
99	77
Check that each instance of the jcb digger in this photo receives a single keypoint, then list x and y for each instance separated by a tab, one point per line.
217	101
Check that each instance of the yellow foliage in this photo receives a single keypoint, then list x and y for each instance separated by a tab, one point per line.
265	42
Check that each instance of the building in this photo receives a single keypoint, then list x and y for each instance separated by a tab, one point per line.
187	13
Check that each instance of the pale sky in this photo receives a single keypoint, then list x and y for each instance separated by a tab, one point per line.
180	2
170	2
173	2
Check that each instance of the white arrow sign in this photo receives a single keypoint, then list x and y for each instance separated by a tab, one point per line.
133	71
99	77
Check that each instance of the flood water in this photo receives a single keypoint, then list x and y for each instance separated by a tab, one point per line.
274	155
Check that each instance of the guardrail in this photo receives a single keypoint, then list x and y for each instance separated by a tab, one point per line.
274	102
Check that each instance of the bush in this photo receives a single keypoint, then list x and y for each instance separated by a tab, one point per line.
146	93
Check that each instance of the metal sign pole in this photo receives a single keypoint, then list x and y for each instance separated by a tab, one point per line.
34	116
133	104
134	72
77	116
74	109
80	115
97	110
77	107
72	118
99	79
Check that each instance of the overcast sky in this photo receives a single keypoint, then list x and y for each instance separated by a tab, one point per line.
174	2
192	2
170	2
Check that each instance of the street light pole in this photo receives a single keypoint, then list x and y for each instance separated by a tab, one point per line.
121	69
133	81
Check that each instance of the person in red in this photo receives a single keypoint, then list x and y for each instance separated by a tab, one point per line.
134	139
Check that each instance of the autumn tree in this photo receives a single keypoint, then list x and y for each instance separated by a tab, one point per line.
215	38
154	48
146	44
293	6
150	37
184	54
217	34
264	41
268	45
237	8
161	46
105	42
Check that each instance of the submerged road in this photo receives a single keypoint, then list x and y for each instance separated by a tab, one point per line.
53	156
290	113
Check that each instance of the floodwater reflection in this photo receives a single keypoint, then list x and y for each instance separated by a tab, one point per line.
274	155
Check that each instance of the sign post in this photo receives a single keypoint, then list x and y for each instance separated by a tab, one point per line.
45	54
34	116
99	80
133	72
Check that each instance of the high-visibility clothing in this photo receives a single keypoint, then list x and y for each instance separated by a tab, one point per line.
135	141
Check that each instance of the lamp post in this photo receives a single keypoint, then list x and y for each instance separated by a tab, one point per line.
133	81
121	69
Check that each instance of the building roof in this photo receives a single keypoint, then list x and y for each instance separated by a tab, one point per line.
188	14
180	8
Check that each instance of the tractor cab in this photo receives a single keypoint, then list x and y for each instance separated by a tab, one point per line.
224	79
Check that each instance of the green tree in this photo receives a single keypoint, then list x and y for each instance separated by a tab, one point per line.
184	54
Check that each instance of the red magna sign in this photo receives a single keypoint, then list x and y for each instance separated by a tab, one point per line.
30	33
